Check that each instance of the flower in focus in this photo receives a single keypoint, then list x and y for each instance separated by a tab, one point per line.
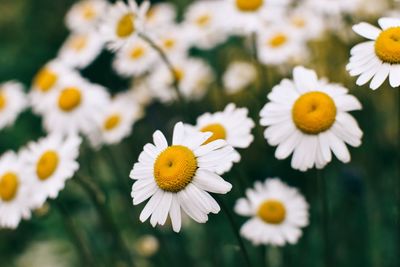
179	177
232	125
122	22
51	161
277	211
238	76
12	102
309	118
379	58
84	16
15	191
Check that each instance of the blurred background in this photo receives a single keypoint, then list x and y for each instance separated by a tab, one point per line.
363	208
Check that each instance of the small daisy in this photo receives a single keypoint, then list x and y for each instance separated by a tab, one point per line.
12	102
378	58
51	162
159	15
81	49
172	40
15	191
135	59
84	16
238	76
122	22
179	177
278	213
309	118
306	24
232	125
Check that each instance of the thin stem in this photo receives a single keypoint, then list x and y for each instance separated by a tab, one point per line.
325	217
235	229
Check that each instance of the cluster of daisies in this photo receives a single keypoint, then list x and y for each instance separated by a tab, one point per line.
306	117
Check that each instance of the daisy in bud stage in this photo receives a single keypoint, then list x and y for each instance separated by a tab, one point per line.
238	76
16	199
81	49
122	22
232	125
278	213
51	162
84	16
179	177
159	15
12	102
309	118
378	58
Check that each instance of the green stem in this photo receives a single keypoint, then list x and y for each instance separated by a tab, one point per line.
325	217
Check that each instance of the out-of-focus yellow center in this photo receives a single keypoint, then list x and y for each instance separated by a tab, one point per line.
9	184
47	164
45	80
169	43
314	112
69	99
137	52
298	22
151	14
78	42
88	11
174	168
203	20
278	40
249	5
3	100
387	45
126	26
179	74
112	122
218	132
272	211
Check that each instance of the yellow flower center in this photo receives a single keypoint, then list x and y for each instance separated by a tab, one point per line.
179	74
3	101
137	52
298	22
387	45
272	211
8	186
174	168
88	12
47	164
70	98
112	122
249	5
169	43
203	20
78	43
278	40
218	132
126	26
45	80
151	14
314	112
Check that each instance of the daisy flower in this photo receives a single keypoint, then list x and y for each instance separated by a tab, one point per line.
51	161
378	58
159	15
135	59
333	7
232	125
306	24
81	49
238	76
15	191
12	102
84	16
122	22
278	213
172	40
309	118
179	177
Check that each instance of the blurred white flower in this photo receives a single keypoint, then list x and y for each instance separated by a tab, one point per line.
12	102
238	76
84	16
333	7
307	25
159	15
172	40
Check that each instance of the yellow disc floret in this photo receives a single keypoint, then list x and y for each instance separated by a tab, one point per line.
69	99
218	132
387	45
112	122
45	80
125	26
249	5
47	164
78	43
174	168
8	186
272	211
203	20
3	100
278	40
314	112
88	11
137	52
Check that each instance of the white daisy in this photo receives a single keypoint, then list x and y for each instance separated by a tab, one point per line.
172	40
84	16
278	213
307	25
159	15
51	161
378	58
309	118
232	125
15	191
122	22
333	7
179	177
81	49
12	102
238	76
135	59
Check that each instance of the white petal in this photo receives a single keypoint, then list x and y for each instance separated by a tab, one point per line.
211	182
367	30
380	76
387	23
394	76
159	140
